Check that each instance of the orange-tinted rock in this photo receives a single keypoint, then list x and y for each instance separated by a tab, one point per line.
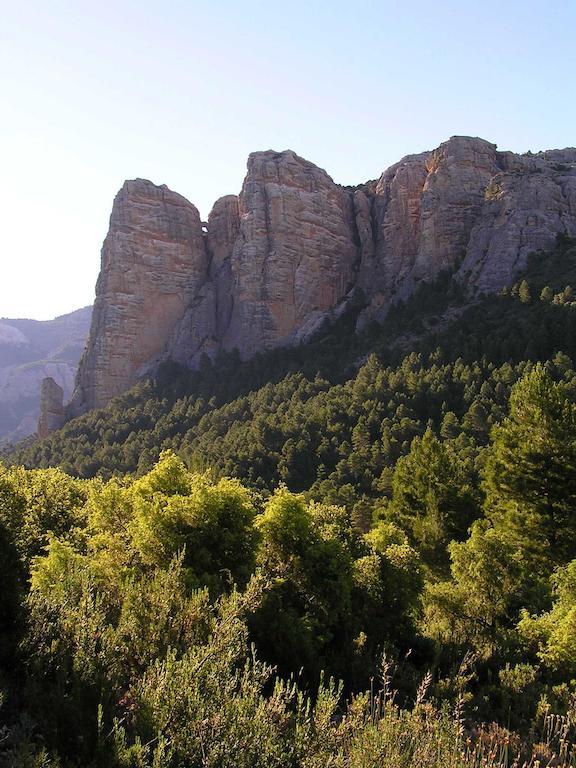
286	255
154	262
295	256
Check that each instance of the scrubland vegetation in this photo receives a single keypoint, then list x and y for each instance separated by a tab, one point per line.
358	553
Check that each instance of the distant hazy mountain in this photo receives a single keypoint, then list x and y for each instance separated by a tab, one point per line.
30	350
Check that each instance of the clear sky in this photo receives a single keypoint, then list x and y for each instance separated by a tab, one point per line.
180	91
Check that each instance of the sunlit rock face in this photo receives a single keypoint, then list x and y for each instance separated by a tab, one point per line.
295	256
154	262
465	207
526	204
273	264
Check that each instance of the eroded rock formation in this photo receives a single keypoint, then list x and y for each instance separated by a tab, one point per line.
51	407
295	255
154	265
467	207
273	264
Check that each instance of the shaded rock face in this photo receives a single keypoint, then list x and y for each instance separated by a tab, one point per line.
286	255
51	407
154	264
208	316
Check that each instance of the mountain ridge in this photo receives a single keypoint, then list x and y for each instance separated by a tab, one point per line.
294	248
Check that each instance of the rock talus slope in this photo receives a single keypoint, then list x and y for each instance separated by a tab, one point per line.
271	265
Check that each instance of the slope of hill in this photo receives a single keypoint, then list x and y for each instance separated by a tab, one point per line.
30	350
302	415
437	462
295	249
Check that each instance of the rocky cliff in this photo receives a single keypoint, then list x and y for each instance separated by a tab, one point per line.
154	265
271	265
467	207
51	407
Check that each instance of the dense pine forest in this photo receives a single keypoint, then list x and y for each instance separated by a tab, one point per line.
359	552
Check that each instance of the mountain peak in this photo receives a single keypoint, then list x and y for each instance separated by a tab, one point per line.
286	255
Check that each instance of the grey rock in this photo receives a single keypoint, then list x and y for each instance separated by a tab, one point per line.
51	407
272	265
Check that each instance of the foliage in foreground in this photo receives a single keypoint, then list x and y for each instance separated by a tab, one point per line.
181	619
418	507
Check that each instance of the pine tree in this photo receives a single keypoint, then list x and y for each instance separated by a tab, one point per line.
524	293
546	294
431	499
530	474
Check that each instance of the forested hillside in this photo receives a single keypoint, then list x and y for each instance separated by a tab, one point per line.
341	410
395	510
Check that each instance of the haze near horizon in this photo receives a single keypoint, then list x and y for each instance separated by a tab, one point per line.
181	93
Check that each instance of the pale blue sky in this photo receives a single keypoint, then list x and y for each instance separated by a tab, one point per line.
180	93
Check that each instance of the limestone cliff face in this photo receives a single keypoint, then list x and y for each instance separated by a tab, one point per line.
530	200
295	256
206	319
271	265
467	207
283	255
154	264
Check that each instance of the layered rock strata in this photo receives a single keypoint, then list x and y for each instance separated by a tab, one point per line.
273	264
154	266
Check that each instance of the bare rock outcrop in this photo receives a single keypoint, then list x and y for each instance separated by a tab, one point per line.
465	207
273	264
526	204
154	262
424	210
283	255
51	407
208	316
295	256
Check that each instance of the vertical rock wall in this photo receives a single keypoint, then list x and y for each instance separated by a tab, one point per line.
154	265
295	256
51	407
273	264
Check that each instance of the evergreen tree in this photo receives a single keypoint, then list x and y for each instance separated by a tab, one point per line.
524	292
530	474
546	294
431	498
